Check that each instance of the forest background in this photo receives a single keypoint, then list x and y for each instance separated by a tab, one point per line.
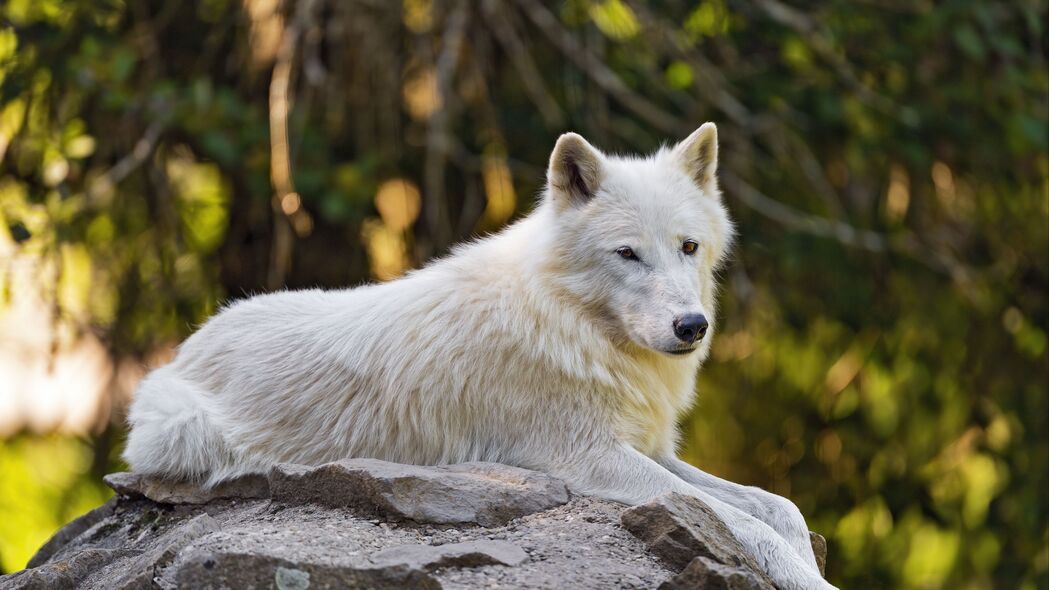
883	355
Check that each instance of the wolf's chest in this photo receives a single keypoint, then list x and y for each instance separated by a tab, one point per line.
649	406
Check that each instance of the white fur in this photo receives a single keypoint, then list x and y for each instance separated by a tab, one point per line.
539	346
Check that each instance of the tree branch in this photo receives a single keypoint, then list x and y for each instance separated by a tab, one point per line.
280	147
143	149
437	135
707	75
601	74
495	14
864	239
811	30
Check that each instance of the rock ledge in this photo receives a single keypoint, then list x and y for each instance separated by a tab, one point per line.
365	523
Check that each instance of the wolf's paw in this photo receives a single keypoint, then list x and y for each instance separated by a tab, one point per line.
806	582
784	517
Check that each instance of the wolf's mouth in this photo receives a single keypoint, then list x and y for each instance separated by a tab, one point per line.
681	351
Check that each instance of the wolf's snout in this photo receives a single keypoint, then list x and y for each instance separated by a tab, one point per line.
691	327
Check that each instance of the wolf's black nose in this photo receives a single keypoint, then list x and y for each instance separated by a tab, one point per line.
690	328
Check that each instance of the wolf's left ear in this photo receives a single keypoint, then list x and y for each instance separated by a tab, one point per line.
698	155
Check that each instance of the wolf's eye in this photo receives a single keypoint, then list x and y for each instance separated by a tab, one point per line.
689	247
626	253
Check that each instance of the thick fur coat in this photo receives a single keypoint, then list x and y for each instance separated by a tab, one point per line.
567	343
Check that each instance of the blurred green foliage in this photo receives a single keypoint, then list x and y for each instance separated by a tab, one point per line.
47	481
883	355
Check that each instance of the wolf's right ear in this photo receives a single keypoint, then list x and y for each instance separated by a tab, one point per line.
575	170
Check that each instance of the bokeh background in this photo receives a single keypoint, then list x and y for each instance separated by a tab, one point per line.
883	357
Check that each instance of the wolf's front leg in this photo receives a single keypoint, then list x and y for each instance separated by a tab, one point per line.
776	511
623	474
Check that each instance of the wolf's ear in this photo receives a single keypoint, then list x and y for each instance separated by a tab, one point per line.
698	154
575	170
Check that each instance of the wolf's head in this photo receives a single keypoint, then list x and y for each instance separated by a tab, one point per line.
638	240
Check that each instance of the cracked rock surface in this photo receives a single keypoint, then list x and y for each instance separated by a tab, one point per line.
370	524
482	493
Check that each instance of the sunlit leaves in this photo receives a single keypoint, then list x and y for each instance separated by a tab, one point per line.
931	556
1028	338
860	529
709	19
25	12
614	18
421	97
500	198
11	117
8	47
398	202
796	54
43	487
418	15
74	283
202	199
679	74
387	250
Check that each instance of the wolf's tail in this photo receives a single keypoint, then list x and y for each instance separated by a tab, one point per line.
172	434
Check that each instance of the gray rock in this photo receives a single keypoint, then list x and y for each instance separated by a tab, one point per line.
141	571
487	494
205	570
68	572
679	528
292	542
819	547
468	554
184	492
686	534
710	575
71	531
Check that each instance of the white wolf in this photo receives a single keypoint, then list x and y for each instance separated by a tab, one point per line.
568	343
